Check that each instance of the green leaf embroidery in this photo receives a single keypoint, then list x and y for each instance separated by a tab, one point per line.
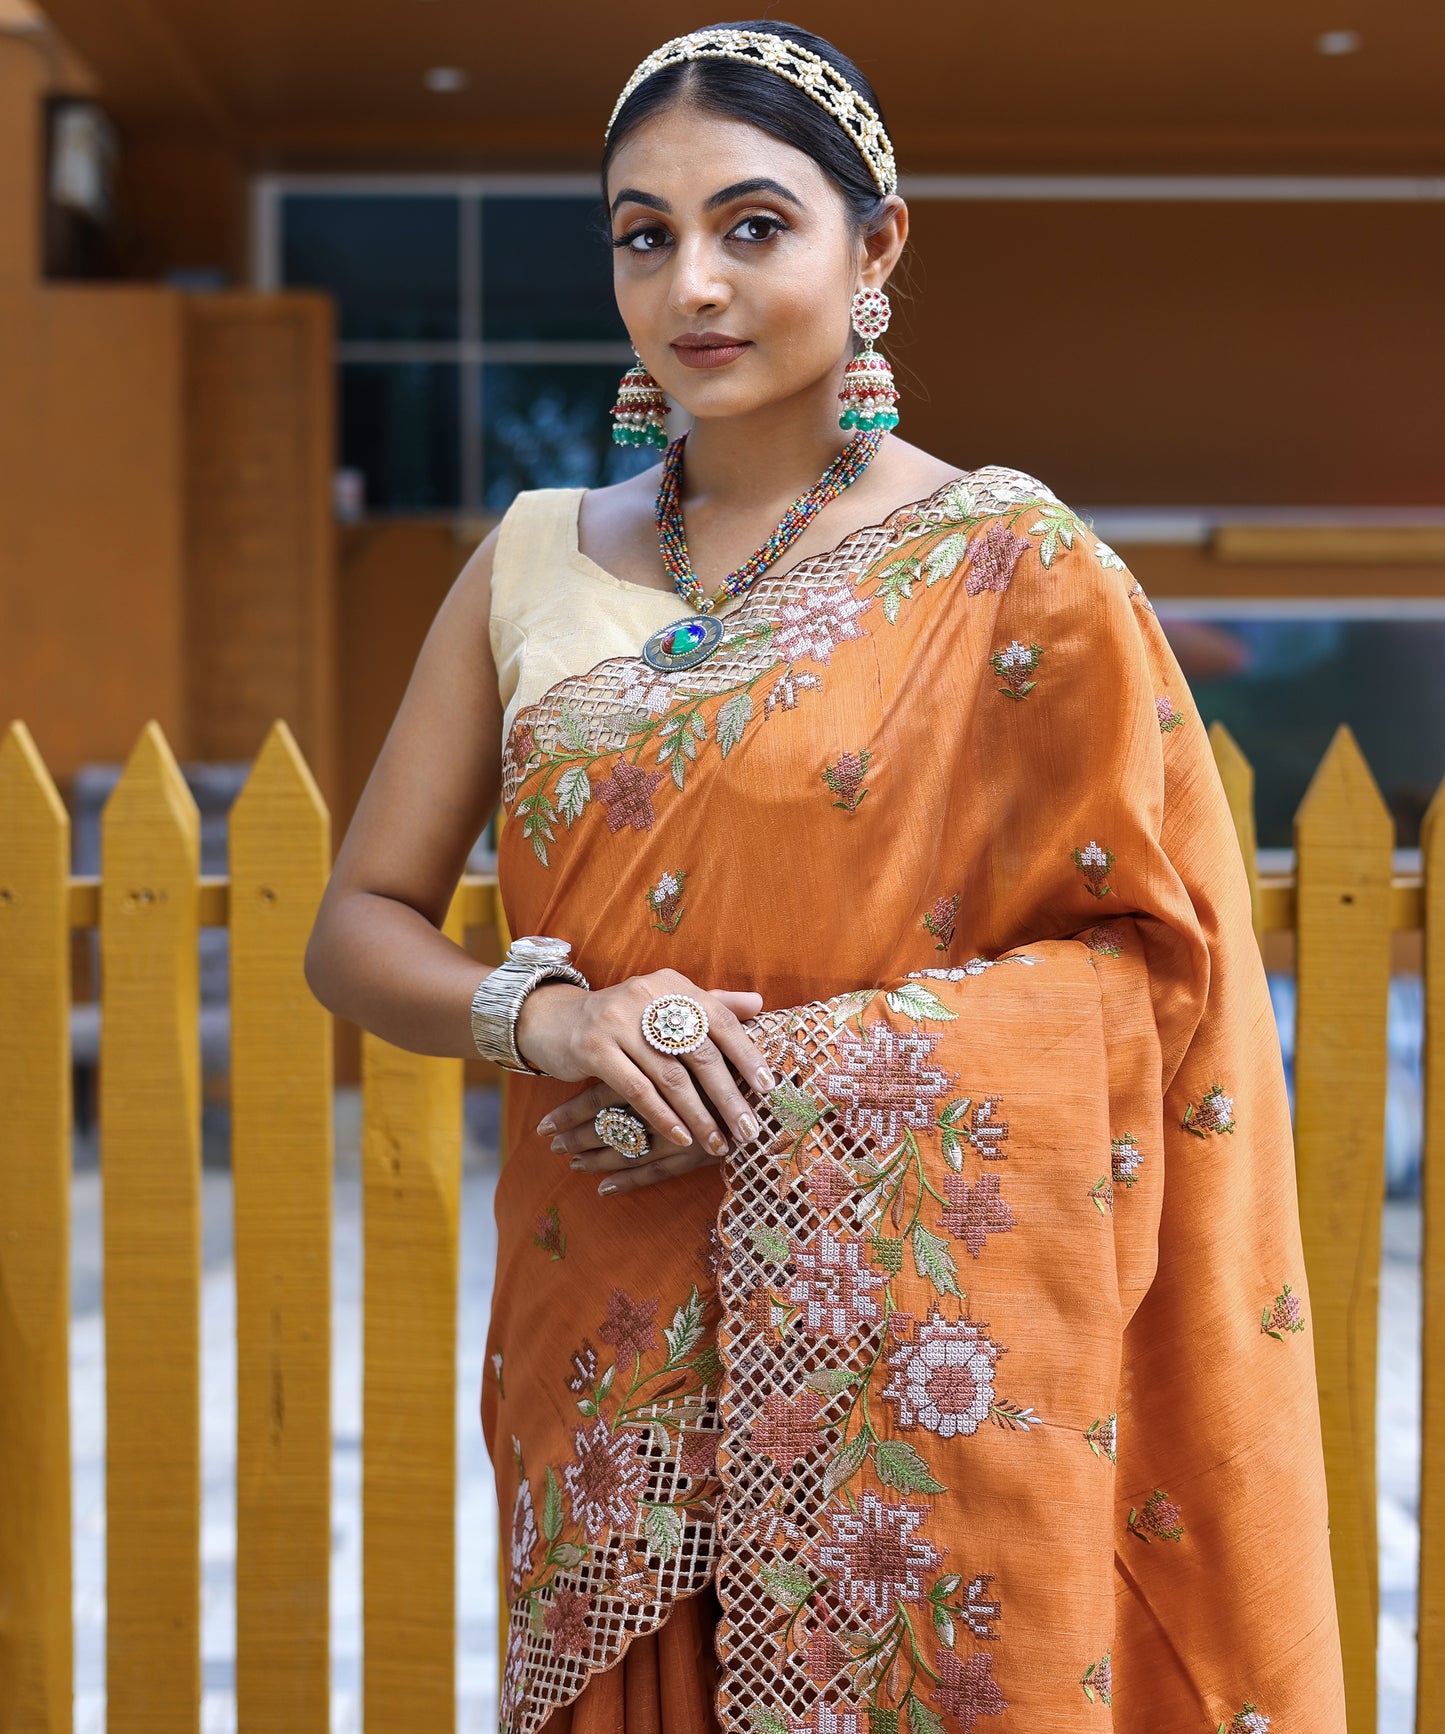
1055	524
797	1111
732	719
568	1554
913	1000
943	1623
933	1260
662	1525
828	1381
886	1253
766	1721
708	1365
537	815
922	1720
900	1466
572	730
845	1465
685	1330
768	1243
788	1584
552	1507
952	1151
945	557
574	791
851	1004
955	1111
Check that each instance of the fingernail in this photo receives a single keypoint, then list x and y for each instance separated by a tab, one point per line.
766	1080
559	1145
681	1135
717	1144
607	1186
578	1162
747	1126
544	1127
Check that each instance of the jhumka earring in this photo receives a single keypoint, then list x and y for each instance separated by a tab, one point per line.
639	417
868	393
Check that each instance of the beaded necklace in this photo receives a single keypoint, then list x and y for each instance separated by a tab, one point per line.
844	470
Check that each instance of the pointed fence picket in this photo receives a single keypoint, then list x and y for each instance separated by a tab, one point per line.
1342	906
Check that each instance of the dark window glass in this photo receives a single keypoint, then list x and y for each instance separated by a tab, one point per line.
546	272
547	426
390	261
401	427
1283	686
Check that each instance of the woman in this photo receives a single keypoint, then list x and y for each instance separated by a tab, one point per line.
918	1337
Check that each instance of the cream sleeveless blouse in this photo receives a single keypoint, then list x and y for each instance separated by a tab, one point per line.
556	613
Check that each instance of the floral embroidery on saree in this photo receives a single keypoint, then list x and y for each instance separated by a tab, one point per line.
940	921
1215	1113
1098	1680
845	1330
845	778
1125	1157
1015	665
548	1233
1093	862
1157	1519
613	737
665	900
1250	1720
1102	1436
626	1525
1169	717
1284	1314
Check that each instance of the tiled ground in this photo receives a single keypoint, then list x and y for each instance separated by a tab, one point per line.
1399	1451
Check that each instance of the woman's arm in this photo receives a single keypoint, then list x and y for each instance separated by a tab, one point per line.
375	955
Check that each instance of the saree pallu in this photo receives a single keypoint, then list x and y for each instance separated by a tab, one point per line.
979	1387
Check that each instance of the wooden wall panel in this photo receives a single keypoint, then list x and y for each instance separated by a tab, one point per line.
91	595
1138	353
260	554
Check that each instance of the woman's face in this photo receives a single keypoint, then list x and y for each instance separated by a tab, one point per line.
723	232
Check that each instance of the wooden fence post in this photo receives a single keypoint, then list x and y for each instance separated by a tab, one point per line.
151	1168
281	1163
1430	1625
35	1629
1237	775
411	1188
1343	839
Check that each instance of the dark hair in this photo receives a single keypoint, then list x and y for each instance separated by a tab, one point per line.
742	91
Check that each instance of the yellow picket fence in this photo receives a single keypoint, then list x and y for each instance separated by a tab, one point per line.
1343	905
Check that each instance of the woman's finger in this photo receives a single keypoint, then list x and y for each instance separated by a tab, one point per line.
664	1168
674	1081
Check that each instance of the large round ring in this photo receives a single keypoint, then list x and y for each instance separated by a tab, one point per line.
623	1131
674	1024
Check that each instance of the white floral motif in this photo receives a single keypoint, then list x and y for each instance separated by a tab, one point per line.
874	1556
816	623
524	1533
944	1380
643	693
1107	558
664	888
834	1284
1093	856
1017	656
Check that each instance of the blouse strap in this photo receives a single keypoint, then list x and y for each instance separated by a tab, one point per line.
535	540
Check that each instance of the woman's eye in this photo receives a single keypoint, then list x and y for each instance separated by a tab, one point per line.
648	240
758	228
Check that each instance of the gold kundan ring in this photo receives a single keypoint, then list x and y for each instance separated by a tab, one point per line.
674	1023
623	1131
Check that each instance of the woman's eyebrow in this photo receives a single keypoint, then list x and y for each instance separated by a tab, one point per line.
633	195
743	189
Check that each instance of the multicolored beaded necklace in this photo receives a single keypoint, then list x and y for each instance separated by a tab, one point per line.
844	470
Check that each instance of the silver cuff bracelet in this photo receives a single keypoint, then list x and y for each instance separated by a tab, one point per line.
497	1003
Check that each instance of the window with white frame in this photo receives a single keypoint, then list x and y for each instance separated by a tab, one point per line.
478	343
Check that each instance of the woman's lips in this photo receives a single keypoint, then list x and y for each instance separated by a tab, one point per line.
708	354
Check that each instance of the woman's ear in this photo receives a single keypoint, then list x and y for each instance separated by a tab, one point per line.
883	246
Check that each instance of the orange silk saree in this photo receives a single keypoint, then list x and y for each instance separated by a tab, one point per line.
979	1389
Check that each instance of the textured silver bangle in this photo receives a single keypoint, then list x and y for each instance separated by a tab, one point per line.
498	1001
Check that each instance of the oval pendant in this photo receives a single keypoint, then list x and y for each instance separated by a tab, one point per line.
684	644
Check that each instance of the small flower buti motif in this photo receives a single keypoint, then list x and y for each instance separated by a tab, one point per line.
1250	1720
665	901
1105	940
1102	1436
940	922
548	1233
976	1211
1094	862
1102	1193
1215	1113
1125	1157
1169	717
845	778
1016	665
1098	1680
1157	1519
1283	1315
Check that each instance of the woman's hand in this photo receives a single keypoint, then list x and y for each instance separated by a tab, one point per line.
572	1034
